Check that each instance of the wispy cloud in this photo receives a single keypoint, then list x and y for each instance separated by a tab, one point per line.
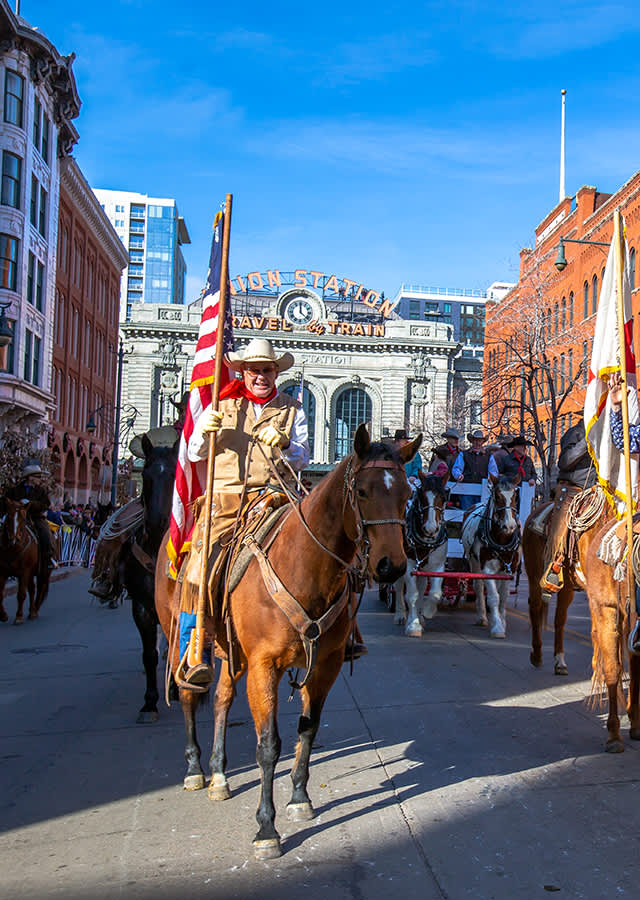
556	32
373	58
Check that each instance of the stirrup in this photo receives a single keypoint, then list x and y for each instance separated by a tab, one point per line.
202	673
634	638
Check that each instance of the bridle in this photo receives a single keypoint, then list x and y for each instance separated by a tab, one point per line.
484	532
349	496
416	537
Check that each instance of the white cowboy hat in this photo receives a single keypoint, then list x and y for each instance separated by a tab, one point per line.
258	350
31	467
165	436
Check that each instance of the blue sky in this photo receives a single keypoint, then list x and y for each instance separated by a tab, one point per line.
385	142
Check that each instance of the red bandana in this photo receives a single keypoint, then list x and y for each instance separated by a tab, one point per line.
237	388
519	459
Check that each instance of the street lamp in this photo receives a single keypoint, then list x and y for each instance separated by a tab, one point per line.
91	425
561	259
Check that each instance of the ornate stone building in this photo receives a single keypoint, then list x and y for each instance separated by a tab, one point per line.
40	101
357	360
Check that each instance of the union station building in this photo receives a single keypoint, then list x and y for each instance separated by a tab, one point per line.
356	359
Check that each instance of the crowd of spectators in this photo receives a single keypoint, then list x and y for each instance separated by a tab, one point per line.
82	515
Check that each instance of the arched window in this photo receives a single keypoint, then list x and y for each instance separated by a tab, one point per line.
632	267
549	324
586	299
562	374
555	319
309	406
571	309
594	293
555	375
352	408
564	313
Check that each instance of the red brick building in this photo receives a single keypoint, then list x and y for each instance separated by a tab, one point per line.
547	320
90	260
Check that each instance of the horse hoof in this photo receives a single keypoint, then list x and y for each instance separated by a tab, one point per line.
147	717
19	620
535	660
560	669
481	623
194	782
268	849
414	631
219	788
300	812
497	633
634	733
4	617
32	615
614	746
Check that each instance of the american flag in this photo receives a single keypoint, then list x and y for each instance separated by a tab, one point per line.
191	477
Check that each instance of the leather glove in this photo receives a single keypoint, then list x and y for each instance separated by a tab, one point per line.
211	421
272	437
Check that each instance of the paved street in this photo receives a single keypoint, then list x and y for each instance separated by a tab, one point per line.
446	767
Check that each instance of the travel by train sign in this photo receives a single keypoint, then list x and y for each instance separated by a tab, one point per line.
330	287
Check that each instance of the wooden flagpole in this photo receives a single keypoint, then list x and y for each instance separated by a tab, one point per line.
197	638
619	257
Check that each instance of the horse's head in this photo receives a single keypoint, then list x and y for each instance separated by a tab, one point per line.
376	494
432	497
503	507
14	522
158	476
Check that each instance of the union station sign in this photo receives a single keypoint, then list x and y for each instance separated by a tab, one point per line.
329	286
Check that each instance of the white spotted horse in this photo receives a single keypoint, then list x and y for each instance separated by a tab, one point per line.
426	549
491	537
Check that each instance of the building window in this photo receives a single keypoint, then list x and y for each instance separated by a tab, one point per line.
414	309
119	208
632	267
33	214
571	309
353	407
136	212
39	285
586	299
37	120
64	250
11	179
563	307
7	358
42	218
9	248
549	324
594	293
555	319
31	266
44	146
13	97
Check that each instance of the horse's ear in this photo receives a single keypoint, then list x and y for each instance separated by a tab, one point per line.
147	446
409	450
361	441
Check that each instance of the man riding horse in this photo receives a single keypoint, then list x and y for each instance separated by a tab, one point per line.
575	473
31	489
257	427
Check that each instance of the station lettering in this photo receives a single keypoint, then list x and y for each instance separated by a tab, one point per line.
276	323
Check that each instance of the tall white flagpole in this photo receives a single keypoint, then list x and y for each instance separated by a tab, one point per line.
563	192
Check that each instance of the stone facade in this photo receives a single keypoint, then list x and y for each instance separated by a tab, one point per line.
355	364
36	131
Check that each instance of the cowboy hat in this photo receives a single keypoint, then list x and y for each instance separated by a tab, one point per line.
258	350
401	435
31	467
165	436
451	432
519	439
476	435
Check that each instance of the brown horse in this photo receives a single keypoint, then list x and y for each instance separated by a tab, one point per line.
351	524
19	557
609	634
533	551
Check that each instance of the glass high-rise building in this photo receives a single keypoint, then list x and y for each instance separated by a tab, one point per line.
153	232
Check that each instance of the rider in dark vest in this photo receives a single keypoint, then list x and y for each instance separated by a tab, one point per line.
517	462
473	465
30	488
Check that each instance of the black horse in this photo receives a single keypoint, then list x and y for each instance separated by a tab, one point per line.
138	560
